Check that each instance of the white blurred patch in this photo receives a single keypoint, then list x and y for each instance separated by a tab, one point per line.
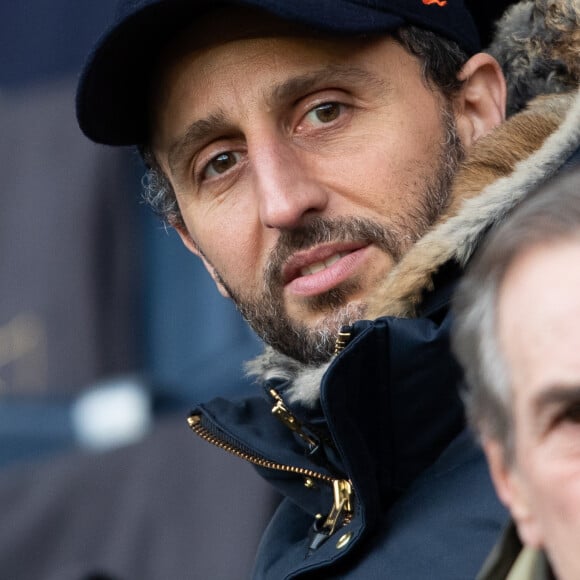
111	414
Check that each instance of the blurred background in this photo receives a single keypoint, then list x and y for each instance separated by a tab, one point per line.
106	322
109	333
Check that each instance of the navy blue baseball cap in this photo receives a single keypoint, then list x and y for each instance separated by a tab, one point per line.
112	95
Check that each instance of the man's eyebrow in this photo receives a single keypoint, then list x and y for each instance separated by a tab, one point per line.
198	132
298	86
556	394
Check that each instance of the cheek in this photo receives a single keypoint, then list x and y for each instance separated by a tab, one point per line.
406	158
383	172
561	482
553	481
233	248
559	513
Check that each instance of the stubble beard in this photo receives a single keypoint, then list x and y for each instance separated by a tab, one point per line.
314	344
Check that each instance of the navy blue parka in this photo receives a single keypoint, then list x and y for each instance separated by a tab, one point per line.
390	422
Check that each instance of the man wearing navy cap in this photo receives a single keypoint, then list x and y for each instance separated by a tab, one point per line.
316	156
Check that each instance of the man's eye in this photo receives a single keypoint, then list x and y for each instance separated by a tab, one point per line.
569	414
325	113
572	413
220	164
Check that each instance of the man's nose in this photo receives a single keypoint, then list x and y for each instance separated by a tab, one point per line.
287	186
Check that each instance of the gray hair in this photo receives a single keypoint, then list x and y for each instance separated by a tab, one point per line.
158	192
441	60
549	215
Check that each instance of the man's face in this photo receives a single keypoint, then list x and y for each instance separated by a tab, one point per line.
304	169
539	331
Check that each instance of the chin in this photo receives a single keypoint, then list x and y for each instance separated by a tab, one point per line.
333	320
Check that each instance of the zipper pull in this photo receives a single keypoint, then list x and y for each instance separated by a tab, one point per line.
342	506
281	412
341	511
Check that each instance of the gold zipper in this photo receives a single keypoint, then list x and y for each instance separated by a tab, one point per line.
342	508
342	339
342	489
280	411
194	422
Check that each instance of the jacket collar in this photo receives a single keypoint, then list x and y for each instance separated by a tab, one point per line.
510	560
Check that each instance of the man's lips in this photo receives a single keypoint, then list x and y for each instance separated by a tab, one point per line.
320	269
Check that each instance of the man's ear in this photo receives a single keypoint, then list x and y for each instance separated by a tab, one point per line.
511	490
190	244
481	103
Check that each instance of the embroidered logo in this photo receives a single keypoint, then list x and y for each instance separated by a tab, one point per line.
439	3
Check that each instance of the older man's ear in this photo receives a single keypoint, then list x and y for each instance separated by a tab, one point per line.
190	244
508	485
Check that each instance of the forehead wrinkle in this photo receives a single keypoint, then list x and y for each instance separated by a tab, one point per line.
298	86
200	131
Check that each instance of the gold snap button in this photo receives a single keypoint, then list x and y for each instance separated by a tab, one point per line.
309	483
343	541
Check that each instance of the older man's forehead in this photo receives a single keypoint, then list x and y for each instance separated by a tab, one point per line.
538	311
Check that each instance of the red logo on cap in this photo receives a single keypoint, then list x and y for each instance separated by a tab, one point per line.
440	3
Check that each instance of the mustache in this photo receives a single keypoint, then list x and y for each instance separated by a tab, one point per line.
321	230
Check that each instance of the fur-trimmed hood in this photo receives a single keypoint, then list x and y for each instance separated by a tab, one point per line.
538	45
